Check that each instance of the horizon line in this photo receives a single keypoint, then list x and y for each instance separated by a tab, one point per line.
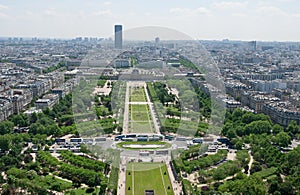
27	38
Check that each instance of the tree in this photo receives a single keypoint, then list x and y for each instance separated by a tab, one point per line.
2	180
274	186
97	180
20	120
248	185
37	128
293	128
39	139
238	145
53	130
228	126
6	127
76	182
231	134
31	174
283	139
286	188
239	129
237	114
258	127
219	174
33	118
10	161
56	186
277	128
292	160
253	185
5	142
248	117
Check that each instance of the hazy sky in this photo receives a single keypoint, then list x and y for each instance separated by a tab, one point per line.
201	19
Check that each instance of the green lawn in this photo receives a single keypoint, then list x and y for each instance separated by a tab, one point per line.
141	127
266	172
147	176
138	95
137	98
140	116
140	119
165	144
139	108
139	113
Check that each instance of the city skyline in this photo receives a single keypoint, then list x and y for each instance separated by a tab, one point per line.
214	20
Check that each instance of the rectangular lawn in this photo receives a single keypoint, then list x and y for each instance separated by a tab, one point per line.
138	95
141	127
147	176
140	116
139	108
140	119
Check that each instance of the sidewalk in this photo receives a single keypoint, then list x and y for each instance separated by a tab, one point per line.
176	186
122	177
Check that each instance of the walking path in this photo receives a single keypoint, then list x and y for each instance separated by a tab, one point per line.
126	110
64	179
250	163
122	177
151	107
177	189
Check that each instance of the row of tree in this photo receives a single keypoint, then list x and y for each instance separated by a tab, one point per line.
82	161
74	173
190	164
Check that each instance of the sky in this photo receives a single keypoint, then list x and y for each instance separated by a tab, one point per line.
264	20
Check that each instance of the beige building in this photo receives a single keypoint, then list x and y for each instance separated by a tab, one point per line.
48	101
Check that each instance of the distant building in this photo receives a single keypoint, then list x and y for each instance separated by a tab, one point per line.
6	108
282	112
157	40
121	63
73	64
71	74
252	45
174	62
118	37
56	78
32	110
232	104
38	87
20	99
59	91
264	48
48	101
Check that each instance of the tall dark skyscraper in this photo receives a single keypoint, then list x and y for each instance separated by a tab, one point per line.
118	37
252	45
